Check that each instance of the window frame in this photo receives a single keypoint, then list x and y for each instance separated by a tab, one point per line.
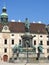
5	50
5	41
12	41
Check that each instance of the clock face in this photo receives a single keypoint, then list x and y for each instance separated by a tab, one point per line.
5	27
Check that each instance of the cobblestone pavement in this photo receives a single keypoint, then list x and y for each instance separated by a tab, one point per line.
23	62
6	63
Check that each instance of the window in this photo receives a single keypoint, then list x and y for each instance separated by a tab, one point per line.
41	36
5	50
41	42
47	42
15	58
19	41
34	42
47	50
12	34
47	36
12	41
34	36
5	42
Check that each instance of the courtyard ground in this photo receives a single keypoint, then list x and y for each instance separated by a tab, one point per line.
6	63
24	62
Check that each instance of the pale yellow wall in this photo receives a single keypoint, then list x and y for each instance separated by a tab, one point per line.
44	39
16	38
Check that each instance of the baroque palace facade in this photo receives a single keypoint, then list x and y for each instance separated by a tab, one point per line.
11	34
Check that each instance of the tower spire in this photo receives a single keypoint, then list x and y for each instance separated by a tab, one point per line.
4	15
4	3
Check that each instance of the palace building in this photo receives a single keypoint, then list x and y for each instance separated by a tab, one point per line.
11	33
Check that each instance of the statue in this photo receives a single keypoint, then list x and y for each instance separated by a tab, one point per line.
27	25
40	48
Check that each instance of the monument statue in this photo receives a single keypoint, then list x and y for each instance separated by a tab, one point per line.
27	25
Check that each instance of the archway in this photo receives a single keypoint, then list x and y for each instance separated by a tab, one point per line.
5	58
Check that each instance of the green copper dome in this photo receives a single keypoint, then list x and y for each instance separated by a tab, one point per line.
4	15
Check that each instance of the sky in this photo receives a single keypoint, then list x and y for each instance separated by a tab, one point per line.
34	10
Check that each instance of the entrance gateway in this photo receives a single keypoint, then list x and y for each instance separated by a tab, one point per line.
5	58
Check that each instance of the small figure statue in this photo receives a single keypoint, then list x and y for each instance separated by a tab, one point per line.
40	48
17	54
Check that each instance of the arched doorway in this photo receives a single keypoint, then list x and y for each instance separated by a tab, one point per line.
5	58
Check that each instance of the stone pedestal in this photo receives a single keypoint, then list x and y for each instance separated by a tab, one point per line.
27	38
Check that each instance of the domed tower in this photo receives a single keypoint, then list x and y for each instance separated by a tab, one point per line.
4	16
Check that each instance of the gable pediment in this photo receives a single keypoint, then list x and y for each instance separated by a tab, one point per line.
5	29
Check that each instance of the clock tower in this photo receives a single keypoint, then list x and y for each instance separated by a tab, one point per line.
4	16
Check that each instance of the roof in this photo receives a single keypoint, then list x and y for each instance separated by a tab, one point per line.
38	28
19	27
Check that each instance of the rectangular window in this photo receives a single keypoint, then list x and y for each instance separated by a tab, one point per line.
48	36
47	42
34	42
41	42
12	41
47	50
5	41
20	42
5	50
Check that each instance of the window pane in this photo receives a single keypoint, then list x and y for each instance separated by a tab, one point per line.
5	50
12	34
19	42
5	41
34	42
47	36
47	42
41	42
47	50
41	36
12	41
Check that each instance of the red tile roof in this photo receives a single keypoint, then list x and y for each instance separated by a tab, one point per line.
38	28
18	27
